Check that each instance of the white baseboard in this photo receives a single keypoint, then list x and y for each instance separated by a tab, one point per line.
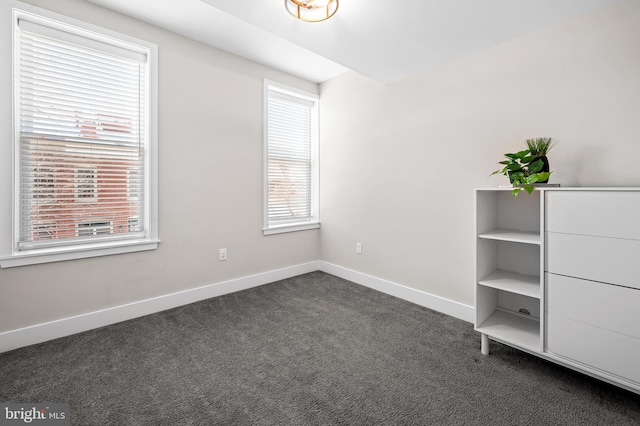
39	333
437	303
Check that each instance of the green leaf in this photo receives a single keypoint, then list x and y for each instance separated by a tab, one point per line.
503	172
516	191
536	166
514	166
543	176
528	188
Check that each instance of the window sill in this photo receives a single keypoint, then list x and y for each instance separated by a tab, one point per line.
281	229
59	254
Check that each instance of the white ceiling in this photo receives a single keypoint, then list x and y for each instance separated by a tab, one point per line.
385	40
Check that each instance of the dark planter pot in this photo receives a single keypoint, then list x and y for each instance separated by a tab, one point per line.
545	167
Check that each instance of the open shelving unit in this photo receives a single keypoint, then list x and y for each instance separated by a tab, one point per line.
509	268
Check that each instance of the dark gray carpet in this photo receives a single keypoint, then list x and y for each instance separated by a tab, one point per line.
309	350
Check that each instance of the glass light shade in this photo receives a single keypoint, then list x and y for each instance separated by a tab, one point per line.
311	10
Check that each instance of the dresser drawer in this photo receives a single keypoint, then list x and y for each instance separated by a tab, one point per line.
609	260
604	350
613	214
609	307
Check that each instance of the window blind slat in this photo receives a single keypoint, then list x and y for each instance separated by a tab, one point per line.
78	42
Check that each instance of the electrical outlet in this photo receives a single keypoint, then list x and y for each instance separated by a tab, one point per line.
223	254
359	248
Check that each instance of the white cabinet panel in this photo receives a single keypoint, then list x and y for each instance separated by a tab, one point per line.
609	260
599	213
604	306
595	347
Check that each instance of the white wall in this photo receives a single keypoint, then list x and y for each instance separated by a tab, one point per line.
399	162
210	161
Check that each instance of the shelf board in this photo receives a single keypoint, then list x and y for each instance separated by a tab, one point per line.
526	285
525	237
513	328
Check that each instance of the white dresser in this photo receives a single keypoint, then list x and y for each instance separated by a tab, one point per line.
582	304
593	280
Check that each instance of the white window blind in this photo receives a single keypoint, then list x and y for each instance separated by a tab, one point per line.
82	114
291	158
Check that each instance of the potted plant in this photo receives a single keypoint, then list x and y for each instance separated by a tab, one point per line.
523	170
538	148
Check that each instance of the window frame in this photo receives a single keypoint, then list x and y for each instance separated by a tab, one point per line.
44	182
96	227
313	222
10	254
86	182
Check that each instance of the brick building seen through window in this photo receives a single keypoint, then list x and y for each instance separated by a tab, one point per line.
74	194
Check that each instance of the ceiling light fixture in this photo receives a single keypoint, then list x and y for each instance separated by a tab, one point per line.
311	10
